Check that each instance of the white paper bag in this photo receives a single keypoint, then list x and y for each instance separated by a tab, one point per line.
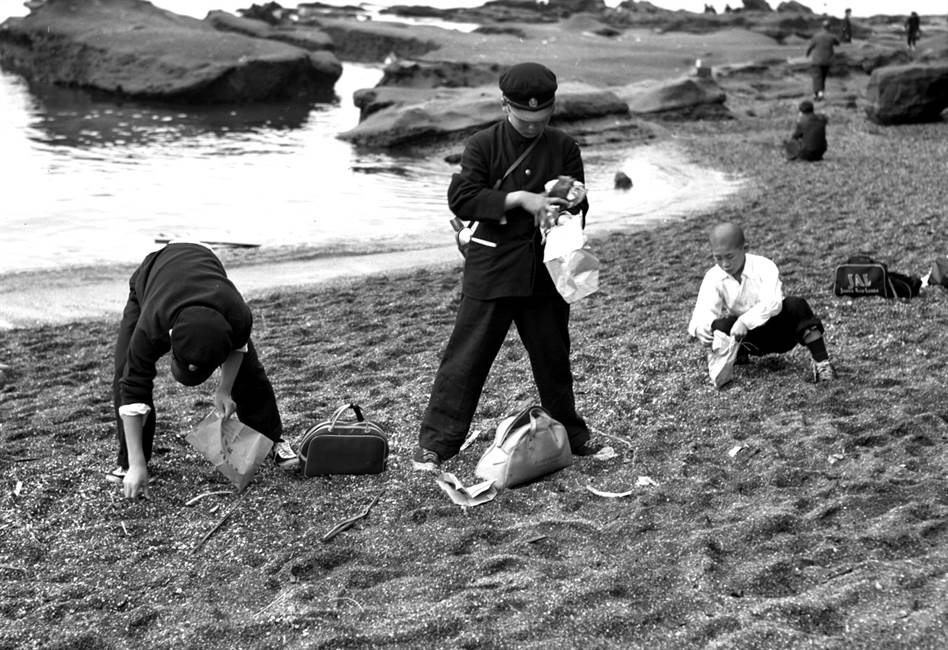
572	266
721	358
233	448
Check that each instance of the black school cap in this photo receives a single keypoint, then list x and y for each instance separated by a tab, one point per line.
528	86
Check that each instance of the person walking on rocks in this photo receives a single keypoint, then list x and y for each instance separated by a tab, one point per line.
913	28
821	50
505	280
181	301
846	30
808	141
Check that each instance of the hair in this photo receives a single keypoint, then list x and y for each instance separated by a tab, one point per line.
730	232
806	106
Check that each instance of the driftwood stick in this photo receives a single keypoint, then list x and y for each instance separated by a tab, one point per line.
10	567
220	523
207	494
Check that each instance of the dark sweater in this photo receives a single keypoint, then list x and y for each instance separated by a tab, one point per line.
811	132
168	280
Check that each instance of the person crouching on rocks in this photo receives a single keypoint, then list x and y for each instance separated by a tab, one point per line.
181	301
742	296
808	141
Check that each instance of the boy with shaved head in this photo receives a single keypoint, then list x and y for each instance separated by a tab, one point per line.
741	295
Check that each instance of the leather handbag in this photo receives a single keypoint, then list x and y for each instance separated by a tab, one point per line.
526	446
344	447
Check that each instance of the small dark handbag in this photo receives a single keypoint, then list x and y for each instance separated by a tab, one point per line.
334	447
863	276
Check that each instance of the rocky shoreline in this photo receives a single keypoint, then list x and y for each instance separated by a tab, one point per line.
439	84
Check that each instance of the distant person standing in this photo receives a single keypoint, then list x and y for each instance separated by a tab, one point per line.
913	28
808	141
846	31
821	52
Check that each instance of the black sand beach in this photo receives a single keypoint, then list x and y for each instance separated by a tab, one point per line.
783	513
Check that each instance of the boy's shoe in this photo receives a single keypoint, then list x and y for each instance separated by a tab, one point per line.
284	457
117	475
823	371
588	448
425	460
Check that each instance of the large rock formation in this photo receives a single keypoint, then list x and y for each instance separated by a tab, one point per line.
439	74
906	94
399	116
794	7
688	97
375	41
133	48
308	38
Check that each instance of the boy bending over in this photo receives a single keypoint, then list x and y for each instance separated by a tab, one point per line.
741	295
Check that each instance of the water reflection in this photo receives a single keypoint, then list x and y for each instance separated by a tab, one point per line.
79	118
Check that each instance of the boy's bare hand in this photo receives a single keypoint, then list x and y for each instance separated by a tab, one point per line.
135	483
224	405
739	331
705	335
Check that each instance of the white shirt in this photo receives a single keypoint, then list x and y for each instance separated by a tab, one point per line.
754	300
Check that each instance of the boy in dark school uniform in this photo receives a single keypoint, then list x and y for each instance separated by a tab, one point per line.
505	280
181	301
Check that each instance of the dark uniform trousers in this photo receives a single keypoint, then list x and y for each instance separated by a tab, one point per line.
479	331
252	391
779	334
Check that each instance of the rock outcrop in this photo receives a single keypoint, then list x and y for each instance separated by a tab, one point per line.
403	117
793	7
907	94
132	48
439	74
684	98
375	41
308	38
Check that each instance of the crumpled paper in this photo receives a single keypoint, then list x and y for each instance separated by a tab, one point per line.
721	358
234	449
474	495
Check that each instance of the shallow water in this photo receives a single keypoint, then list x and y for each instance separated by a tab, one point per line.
90	180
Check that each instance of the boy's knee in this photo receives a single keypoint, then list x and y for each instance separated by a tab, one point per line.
797	306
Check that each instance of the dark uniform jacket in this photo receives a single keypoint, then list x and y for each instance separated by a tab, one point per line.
177	276
515	266
821	47
811	132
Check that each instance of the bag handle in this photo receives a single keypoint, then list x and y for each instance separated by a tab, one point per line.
342	409
520	419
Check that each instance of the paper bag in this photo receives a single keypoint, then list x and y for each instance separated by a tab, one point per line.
233	448
721	358
474	495
572	266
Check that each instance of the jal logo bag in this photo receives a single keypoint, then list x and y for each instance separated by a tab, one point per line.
527	445
862	276
339	446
